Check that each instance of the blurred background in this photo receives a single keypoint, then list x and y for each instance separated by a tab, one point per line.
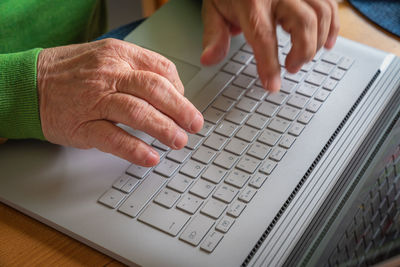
121	12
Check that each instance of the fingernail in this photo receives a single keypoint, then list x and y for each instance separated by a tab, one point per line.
197	123
180	139
152	158
275	84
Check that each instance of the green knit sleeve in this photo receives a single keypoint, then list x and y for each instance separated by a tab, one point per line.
19	107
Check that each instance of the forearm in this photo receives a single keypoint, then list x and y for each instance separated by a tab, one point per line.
19	108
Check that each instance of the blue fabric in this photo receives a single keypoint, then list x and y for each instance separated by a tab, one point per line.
385	13
121	32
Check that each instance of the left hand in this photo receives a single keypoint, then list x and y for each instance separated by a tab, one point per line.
311	24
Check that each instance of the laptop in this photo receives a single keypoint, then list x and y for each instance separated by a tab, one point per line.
257	186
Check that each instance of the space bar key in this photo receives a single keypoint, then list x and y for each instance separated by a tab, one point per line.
170	221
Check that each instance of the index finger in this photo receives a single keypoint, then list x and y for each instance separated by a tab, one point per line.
259	30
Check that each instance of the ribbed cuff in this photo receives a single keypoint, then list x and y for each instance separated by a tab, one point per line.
19	107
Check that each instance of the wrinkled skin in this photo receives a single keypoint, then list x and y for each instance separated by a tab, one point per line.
85	89
311	24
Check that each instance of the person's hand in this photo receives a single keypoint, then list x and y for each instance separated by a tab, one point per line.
84	90
311	24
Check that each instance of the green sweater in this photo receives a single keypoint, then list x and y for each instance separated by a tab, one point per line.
26	27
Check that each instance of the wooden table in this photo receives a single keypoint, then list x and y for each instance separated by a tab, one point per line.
24	241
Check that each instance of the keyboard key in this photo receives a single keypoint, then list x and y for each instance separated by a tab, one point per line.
236	146
298	101
225	224
316	78
282	37
192	168
277	98
170	221
257	121
223	103
166	167
130	184
288	112
197	228
237	178
346	63
247	48
277	153
236	209
331	57
258	180
288	86
296	129
267	109
121	181
214	174
247	194
160	145
322	95
324	67
313	105
211	241
279	125
233	67
142	194
237	116
193	141
225	193
243	81
248	164
137	171
330	84
251	70
167	197
180	183
189	203
256	93
305	117
111	198
213	115
225	160
207	129
204	155
247	104
259	150
319	53
247	133
242	57
308	66
215	141
287	141
226	128
307	89
233	92
213	208
202	188
269	137
295	77
268	166
338	74
179	155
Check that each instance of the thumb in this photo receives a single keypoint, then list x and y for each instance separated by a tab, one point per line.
216	35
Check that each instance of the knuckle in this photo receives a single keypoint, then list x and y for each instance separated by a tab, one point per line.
139	112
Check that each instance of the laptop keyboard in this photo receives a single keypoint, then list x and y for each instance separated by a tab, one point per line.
198	192
374	233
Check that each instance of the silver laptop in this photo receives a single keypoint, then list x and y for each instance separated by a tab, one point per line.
247	189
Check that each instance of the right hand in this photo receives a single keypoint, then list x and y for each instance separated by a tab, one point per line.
85	89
